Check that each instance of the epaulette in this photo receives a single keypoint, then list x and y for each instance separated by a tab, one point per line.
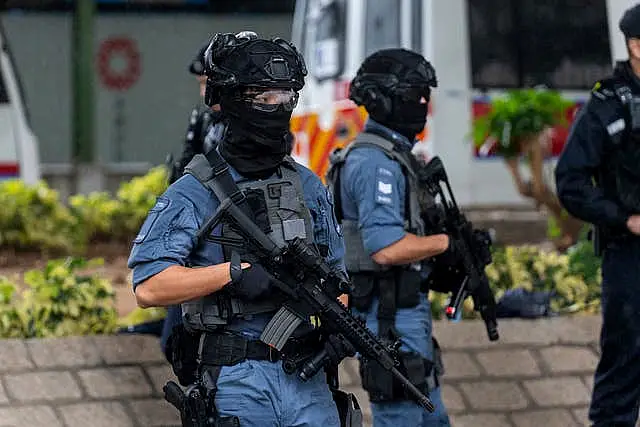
604	89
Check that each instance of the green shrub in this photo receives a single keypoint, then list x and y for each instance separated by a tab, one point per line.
32	217
11	321
135	199
62	301
517	116
95	213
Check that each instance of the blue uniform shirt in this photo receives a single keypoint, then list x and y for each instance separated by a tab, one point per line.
373	194
168	235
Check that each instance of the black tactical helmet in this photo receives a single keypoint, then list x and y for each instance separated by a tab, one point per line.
241	61
389	74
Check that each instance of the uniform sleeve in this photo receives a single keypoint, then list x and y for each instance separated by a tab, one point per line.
377	187
166	237
331	232
578	164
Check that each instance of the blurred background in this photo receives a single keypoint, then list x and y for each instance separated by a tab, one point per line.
94	94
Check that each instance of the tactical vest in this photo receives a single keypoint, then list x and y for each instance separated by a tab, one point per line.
279	209
625	136
356	257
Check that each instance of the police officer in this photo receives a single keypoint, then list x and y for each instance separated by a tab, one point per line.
204	129
375	191
227	298
604	145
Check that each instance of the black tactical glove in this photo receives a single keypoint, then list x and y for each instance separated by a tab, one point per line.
337	348
248	283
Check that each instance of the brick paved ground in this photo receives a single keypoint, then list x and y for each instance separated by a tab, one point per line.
539	373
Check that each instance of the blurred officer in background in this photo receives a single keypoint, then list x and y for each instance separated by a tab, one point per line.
598	181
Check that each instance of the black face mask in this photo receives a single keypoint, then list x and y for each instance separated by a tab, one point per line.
407	118
258	141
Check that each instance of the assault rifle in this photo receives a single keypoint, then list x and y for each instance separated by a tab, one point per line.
473	250
300	272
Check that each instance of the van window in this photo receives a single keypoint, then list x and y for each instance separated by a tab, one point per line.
563	44
328	22
382	27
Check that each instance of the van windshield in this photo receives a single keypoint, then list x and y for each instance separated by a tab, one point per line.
327	31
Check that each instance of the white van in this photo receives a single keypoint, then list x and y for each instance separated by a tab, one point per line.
18	145
479	48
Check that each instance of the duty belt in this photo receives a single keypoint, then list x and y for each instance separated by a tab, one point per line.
229	350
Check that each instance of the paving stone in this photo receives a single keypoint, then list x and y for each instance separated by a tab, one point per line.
453	337
548	418
155	412
563	359
494	395
588	380
160	375
119	349
579	329
564	391
115	382
14	356
29	416
458	365
507	363
582	415
480	420
65	352
3	395
452	399
42	386
101	414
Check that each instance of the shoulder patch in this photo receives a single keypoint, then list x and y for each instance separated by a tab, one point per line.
384	186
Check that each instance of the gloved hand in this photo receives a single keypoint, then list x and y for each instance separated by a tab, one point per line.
337	348
451	256
247	283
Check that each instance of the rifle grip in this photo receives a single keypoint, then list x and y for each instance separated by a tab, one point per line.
280	328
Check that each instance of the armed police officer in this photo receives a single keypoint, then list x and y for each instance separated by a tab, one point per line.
204	130
375	191
227	297
598	181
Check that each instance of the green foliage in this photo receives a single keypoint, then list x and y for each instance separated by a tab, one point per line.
32	217
575	277
135	198
139	316
95	213
60	300
518	115
11	322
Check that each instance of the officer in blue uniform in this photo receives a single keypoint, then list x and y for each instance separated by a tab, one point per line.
204	129
604	146
226	297
376	196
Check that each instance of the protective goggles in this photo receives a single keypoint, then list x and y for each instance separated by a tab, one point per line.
272	99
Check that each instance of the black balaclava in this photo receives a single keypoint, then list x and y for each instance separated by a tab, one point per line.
257	141
239	69
390	84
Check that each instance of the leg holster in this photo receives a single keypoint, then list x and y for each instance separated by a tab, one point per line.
197	402
383	387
